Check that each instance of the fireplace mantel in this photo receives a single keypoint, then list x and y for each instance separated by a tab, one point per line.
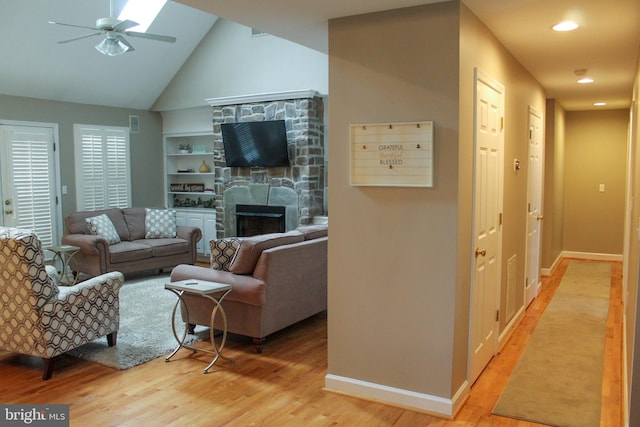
262	97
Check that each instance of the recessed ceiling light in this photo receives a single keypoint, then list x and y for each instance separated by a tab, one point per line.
585	80
599	104
565	26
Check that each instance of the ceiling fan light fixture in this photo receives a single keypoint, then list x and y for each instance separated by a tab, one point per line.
112	46
585	80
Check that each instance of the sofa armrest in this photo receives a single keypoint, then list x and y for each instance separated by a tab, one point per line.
189	233
88	243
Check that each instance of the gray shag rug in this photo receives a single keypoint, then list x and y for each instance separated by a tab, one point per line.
145	331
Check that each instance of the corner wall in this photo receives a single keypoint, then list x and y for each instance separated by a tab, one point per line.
596	153
146	146
393	250
480	48
552	228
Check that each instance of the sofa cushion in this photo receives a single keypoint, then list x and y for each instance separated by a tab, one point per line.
246	257
129	251
222	252
134	219
160	223
101	225
313	231
76	223
166	247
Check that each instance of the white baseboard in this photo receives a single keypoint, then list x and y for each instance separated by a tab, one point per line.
625	367
510	327
549	271
592	256
580	255
434	405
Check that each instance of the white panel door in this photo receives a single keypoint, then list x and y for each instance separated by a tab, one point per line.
534	205
487	228
28	181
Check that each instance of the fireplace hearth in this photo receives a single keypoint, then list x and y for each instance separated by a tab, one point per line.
252	220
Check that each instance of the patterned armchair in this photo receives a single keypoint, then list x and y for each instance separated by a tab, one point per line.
39	318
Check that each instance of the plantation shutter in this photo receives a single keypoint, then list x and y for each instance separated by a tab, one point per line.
102	167
31	189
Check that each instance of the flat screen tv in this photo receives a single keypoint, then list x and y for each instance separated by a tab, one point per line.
255	144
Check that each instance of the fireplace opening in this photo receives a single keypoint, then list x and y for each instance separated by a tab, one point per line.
252	220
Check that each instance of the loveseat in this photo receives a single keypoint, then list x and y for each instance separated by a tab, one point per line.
277	279
129	240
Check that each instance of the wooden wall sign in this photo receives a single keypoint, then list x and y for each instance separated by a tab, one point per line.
392	154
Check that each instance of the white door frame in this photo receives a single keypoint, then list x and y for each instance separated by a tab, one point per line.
487	312
59	229
535	191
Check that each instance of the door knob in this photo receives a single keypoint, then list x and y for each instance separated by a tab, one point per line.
539	217
479	252
7	202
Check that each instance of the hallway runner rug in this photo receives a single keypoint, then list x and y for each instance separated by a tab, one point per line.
558	379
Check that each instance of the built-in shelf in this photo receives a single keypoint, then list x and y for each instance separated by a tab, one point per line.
175	161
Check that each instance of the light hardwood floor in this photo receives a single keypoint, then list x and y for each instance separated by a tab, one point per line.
281	387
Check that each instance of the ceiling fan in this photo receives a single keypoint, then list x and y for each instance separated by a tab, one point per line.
114	31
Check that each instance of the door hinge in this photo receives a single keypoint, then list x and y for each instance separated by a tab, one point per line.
500	218
56	200
502	123
497	315
54	147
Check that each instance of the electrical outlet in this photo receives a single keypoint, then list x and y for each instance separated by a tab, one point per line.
602	188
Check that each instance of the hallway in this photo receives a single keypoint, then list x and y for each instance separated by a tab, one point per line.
486	391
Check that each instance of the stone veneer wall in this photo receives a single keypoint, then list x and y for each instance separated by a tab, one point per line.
304	120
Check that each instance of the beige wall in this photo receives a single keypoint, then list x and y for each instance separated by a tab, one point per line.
392	254
146	146
553	206
230	62
400	258
596	151
479	48
631	277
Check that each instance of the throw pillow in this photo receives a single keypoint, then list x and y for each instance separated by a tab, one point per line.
222	252
101	225
160	223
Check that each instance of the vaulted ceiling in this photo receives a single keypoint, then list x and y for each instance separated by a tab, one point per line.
35	65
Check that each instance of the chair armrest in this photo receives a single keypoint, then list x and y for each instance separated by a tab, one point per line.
88	243
104	287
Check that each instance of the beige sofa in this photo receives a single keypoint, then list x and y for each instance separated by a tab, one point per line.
134	252
277	280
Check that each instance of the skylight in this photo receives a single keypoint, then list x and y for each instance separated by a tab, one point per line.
141	11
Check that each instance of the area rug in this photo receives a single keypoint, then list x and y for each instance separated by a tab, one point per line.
558	379
145	331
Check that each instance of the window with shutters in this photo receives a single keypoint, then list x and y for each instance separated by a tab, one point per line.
103	177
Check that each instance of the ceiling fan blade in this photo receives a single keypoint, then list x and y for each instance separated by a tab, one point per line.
124	25
157	37
72	25
79	38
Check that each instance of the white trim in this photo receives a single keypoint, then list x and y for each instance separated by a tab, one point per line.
395	396
625	371
511	326
262	97
592	256
549	271
56	159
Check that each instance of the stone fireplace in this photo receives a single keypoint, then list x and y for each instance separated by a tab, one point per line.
299	188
